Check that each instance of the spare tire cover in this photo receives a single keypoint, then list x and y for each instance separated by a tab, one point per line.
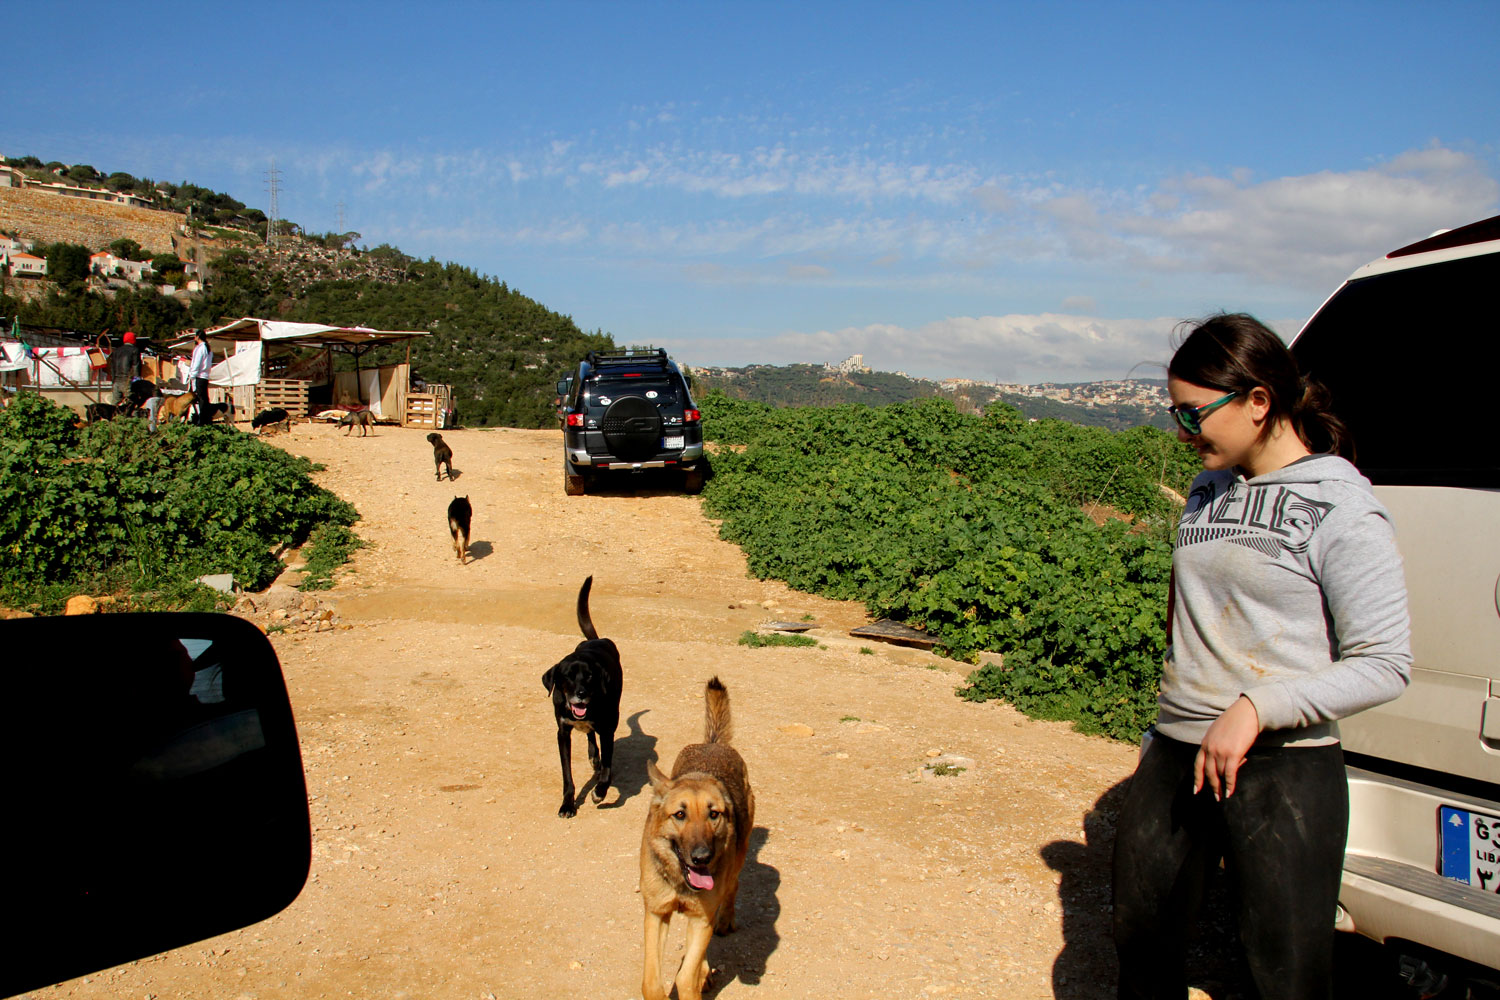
632	428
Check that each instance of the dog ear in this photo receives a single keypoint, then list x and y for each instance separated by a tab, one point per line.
547	679
658	780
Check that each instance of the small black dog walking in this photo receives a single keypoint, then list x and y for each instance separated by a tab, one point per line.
585	688
459	516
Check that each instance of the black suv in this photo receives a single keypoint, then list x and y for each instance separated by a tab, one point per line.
628	410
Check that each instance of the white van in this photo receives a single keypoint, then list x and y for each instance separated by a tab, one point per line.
1409	346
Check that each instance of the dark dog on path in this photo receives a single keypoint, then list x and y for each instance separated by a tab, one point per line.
441	455
95	412
585	688
459	515
223	409
271	418
363	419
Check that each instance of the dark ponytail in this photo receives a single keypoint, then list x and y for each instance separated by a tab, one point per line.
1235	352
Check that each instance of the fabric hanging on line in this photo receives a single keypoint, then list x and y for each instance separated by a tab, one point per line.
240	368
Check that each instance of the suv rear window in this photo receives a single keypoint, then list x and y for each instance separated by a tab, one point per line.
1410	359
613	385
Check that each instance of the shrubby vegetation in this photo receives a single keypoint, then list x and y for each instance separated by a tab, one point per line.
111	508
973	528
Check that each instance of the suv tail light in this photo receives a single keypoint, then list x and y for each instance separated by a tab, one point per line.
691	416
575	420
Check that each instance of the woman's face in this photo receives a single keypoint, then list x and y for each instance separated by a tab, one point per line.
1230	433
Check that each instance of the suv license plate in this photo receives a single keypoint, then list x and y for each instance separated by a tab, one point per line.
1470	847
672	441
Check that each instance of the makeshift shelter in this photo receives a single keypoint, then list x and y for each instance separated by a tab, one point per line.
274	363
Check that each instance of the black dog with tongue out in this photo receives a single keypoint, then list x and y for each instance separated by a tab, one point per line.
585	688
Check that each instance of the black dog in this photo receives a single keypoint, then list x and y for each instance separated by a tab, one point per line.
95	412
441	455
459	515
363	419
585	689
272	417
225	408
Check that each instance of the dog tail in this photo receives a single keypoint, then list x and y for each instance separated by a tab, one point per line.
584	621
717	727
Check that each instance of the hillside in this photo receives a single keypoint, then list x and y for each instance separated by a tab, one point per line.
820	385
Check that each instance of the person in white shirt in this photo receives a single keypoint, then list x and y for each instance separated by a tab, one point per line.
198	368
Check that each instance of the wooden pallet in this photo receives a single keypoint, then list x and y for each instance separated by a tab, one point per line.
288	393
886	630
427	409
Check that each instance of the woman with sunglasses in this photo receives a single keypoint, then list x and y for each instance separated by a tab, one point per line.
1288	612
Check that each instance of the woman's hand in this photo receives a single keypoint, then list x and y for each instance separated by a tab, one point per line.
1224	748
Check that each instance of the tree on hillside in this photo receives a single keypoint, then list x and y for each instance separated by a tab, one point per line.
67	265
82	172
127	249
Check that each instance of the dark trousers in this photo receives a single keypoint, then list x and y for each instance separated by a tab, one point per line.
1281	836
200	400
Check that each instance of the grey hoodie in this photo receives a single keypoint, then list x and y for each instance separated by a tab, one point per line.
1288	590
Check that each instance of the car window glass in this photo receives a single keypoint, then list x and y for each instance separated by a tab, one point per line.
1407	357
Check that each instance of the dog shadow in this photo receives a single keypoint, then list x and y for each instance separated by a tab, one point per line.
744	954
478	550
453	474
632	751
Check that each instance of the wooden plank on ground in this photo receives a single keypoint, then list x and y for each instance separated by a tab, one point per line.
790	626
896	633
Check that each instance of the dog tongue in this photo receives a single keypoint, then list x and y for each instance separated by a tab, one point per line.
579	711
702	881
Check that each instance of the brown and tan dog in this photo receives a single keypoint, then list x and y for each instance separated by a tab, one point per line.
696	838
179	407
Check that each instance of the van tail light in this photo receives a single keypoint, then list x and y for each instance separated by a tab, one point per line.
691	416
575	420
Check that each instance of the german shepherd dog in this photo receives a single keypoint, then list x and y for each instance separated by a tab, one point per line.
363	419
441	455
459	515
696	838
178	407
273	417
585	687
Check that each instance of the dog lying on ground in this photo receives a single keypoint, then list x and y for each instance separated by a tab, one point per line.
363	419
585	687
696	838
271	418
178	407
441	455
459	514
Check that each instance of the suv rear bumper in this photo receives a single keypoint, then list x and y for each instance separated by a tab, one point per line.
685	458
1391	888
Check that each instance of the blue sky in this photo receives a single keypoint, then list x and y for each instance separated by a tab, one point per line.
999	191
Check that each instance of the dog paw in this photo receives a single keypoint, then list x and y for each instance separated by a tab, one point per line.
568	810
599	792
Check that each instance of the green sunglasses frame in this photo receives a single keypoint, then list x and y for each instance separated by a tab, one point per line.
1190	418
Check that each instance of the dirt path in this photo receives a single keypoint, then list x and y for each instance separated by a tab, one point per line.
440	868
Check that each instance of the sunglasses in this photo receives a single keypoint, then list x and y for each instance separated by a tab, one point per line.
1190	418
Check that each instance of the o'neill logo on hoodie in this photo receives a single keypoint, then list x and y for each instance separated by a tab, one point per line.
1269	519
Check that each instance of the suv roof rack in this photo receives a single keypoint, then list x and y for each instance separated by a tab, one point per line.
1475	232
654	357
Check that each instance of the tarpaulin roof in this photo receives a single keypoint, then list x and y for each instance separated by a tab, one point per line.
310	334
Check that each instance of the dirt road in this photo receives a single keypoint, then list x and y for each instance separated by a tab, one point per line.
441	869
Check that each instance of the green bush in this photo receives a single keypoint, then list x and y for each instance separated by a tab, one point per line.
972	528
112	505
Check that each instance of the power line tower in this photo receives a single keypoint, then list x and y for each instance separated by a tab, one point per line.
273	186
341	218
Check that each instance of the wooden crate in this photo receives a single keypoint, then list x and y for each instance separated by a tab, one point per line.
427	409
288	393
423	409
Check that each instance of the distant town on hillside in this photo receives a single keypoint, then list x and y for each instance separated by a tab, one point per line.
1113	403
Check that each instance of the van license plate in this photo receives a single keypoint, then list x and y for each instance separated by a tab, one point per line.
1470	844
672	441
